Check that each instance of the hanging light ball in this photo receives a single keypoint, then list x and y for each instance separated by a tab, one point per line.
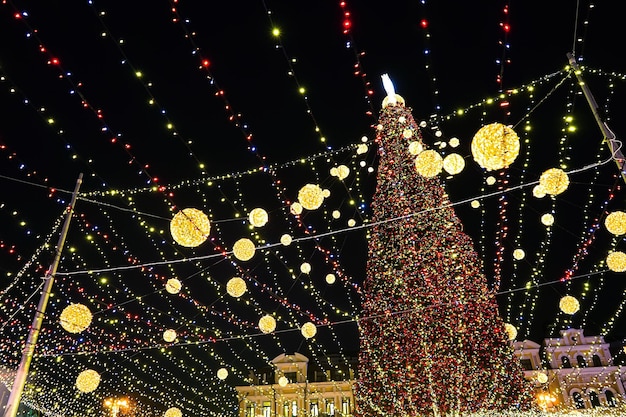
547	219
351	222
616	261
75	318
267	324
169	335
243	249
342	172
454	142
258	217
554	181
285	240
615	223
330	279
308	330
569	305
283	381
407	133
296	208
511	331
236	287
361	149
428	163
336	214
305	268
490	180
173	412
453	163
538	191
542	377
311	196
222	373
519	254
495	146
415	148
475	204
173	286
87	381
190	227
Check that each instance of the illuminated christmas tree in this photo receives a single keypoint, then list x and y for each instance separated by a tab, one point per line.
432	340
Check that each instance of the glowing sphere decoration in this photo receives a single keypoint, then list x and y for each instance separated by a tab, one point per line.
173	286
169	335
407	134
336	214
616	261
342	172
453	163
190	227
285	240
399	101
296	208
308	330
547	219
519	254
428	163
511	331
243	249
490	180
222	373
415	148
475	204
495	146
538	191
283	381
173	412
330	279
351	222
87	381
454	142
361	149
236	287
75	318
569	305
305	268
542	377
615	223
311	196
267	324
258	217
554	181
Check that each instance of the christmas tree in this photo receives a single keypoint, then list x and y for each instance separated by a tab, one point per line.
432	340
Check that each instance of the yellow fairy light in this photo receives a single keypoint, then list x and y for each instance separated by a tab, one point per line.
173	412
285	240
311	196
236	287
243	249
428	163
267	324
538	191
547	219
569	305
308	330
495	146
75	318
258	217
283	381
511	331
615	223
305	268
453	163
169	335
190	227
343	172
330	278
554	181
222	373
519	254
296	208
415	148
87	381
616	261
173	286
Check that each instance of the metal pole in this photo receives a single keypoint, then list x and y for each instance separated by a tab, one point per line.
609	136
29	348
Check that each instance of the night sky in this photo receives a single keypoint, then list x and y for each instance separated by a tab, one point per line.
165	105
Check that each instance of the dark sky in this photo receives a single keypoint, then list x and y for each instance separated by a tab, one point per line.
167	105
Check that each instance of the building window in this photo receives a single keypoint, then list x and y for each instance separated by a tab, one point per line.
578	400
294	408
267	409
594	398
565	363
345	406
330	407
596	360
527	364
315	410
291	376
286	408
250	410
582	363
610	398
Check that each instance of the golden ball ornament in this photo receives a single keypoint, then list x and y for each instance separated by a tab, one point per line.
351	222
336	214
258	217
311	196
87	381
173	286
283	381
511	331
286	240
333	171
569	305
75	318
454	142
495	146
330	279
542	377
308	330
407	134
305	268
615	223
343	172
554	181
547	219
296	208
169	335
244	249
616	261
267	324
415	148
190	227
453	163
236	287
428	163
490	180
222	373
361	149
519	254
173	412
399	101
538	191
475	204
